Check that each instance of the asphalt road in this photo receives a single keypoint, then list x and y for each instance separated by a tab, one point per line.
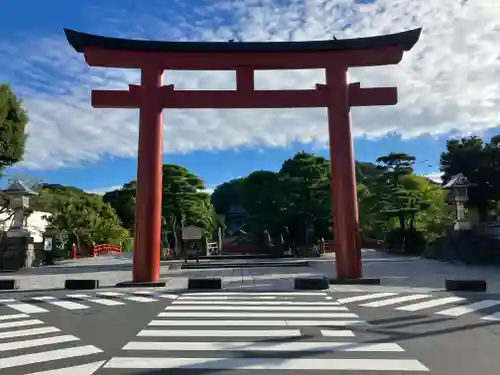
365	332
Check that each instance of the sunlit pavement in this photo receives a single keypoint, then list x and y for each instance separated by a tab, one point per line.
155	332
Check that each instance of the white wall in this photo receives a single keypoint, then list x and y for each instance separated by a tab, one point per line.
36	224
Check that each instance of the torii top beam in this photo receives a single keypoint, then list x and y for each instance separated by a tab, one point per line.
129	53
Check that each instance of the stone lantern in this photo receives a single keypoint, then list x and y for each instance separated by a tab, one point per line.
19	249
458	195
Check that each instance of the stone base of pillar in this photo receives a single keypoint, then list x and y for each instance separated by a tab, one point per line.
18	250
462	225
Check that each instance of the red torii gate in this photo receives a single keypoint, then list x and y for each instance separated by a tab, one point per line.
151	97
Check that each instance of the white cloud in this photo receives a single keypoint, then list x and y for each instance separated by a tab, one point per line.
434	176
208	190
449	81
102	191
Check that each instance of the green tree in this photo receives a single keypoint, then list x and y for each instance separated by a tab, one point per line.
391	197
366	172
297	197
227	194
13	122
184	202
479	161
85	218
307	193
263	200
438	214
123	202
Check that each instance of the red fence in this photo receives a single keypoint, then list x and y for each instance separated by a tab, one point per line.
106	249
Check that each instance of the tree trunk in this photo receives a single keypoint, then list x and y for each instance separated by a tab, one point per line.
174	232
482	212
412	221
402	221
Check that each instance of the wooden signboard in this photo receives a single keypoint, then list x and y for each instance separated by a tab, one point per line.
192	233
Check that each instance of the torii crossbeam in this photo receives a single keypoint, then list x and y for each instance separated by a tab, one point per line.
151	97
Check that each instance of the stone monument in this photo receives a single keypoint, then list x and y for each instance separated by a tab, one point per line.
19	251
458	186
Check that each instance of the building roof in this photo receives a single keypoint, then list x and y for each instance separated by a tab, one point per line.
236	209
405	40
19	188
459	180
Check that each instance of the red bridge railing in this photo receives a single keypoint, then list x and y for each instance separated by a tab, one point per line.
106	249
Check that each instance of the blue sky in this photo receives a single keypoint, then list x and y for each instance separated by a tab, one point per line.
443	91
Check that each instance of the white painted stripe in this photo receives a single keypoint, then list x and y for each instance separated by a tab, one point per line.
100	301
252	294
53	355
256	323
365	297
256	303
129	298
493	317
210	298
264	346
345	288
462	310
336	333
393	301
20	323
221	333
13	316
28	332
22	307
267	364
86	369
256	308
37	342
284	314
68	305
156	294
428	304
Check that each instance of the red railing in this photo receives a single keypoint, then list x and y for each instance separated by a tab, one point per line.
106	249
328	247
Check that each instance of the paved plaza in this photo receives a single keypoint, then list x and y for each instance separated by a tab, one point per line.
257	324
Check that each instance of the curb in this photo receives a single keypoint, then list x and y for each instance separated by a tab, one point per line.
210	265
311	283
147	284
465	285
9	284
202	284
353	281
80	284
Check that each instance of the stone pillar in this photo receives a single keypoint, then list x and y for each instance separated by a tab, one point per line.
18	250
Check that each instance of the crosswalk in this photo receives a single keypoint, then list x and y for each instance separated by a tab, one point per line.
81	301
260	332
28	345
444	305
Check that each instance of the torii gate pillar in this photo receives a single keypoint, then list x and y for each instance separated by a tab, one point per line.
147	240
344	196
